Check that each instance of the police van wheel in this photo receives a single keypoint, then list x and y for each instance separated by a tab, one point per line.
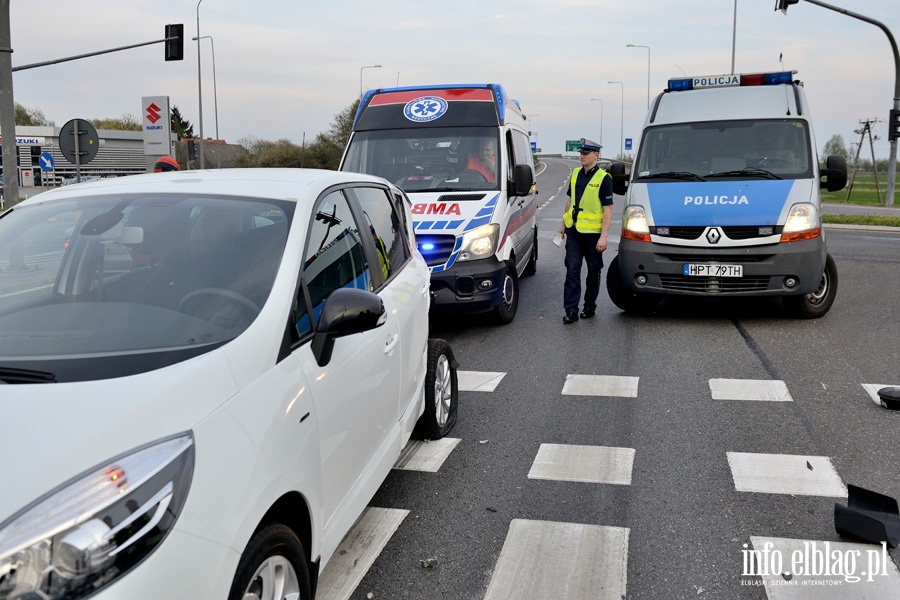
817	303
505	312
622	297
441	393
531	267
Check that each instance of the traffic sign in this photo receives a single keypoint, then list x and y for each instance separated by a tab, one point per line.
628	143
46	161
78	141
573	145
534	147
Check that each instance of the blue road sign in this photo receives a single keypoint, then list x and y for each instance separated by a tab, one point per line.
46	161
534	147
628	143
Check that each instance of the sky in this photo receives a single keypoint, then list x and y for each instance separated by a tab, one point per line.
284	69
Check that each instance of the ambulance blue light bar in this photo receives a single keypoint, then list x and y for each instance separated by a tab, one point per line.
713	81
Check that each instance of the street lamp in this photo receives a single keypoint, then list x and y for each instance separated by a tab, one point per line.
360	76
600	100
622	121
200	87
215	95
648	68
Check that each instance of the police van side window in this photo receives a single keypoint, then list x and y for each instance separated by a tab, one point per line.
385	227
334	258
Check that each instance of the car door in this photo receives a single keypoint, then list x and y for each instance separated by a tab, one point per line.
355	393
404	289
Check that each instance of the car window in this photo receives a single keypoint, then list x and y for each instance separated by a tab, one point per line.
334	258
385	227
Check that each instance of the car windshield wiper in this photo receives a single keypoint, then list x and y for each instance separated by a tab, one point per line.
682	175
10	375
751	171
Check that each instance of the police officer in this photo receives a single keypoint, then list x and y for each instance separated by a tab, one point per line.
585	228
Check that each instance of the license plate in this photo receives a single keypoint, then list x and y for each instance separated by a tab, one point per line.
693	270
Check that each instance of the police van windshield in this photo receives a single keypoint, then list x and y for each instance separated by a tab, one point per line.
713	151
429	159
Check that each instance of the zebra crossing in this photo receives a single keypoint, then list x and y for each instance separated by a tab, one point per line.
577	561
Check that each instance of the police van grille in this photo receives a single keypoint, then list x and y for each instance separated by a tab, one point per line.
681	233
714	285
715	258
461	197
443	248
738	232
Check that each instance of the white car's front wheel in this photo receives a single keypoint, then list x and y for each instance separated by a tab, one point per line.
273	566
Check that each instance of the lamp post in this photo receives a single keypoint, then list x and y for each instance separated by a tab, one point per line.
648	69
200	88
215	95
622	121
360	76
600	100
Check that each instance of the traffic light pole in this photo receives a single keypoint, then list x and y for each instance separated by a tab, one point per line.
892	160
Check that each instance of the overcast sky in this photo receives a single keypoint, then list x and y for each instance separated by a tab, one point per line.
285	68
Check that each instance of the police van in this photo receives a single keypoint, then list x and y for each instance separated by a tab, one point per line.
463	156
723	198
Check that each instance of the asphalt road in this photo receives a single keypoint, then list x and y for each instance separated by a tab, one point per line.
684	518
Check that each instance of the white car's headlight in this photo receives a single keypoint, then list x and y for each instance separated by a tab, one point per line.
481	242
802	223
91	530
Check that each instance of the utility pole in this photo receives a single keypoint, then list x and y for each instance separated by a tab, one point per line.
863	131
7	111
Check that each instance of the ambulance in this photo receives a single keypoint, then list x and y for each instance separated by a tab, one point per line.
723	198
462	154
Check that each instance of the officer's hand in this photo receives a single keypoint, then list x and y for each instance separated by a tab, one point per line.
601	243
562	230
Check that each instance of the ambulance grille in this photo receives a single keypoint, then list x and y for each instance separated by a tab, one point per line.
714	285
436	248
461	197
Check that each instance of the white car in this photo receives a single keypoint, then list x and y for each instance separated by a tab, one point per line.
214	372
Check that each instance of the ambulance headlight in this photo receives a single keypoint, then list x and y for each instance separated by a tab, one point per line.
802	223
481	242
634	224
87	533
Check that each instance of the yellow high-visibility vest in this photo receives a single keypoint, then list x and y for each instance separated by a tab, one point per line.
590	213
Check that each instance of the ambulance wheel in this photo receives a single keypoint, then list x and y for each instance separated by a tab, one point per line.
505	312
622	297
531	267
441	393
817	303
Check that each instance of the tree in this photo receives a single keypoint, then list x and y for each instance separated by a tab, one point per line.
835	146
25	116
126	122
181	126
342	126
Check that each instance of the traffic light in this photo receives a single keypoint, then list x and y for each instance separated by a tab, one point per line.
894	125
782	5
192	150
175	42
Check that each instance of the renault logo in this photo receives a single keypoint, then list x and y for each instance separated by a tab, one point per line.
713	235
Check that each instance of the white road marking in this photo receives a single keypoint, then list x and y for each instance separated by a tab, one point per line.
785	474
588	464
563	561
478	381
600	385
749	389
425	456
842	561
872	390
357	551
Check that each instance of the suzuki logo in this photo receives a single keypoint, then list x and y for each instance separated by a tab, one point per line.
153	113
713	235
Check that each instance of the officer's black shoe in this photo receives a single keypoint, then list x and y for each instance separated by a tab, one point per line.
587	313
571	317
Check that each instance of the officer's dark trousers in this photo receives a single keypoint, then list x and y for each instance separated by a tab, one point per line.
582	247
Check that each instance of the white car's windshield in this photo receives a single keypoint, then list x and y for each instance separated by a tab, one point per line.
124	284
767	149
428	159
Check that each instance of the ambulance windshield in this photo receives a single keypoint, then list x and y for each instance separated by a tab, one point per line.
766	149
429	159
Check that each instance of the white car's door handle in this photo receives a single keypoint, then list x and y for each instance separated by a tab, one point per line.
424	289
391	343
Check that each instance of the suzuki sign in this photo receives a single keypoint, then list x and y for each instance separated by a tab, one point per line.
157	126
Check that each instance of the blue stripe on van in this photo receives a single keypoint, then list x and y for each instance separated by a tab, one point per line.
718	202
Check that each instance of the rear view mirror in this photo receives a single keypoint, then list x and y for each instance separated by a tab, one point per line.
346	311
833	177
523	182
619	177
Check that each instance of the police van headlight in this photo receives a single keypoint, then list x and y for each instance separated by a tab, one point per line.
92	530
802	223
634	224
481	242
